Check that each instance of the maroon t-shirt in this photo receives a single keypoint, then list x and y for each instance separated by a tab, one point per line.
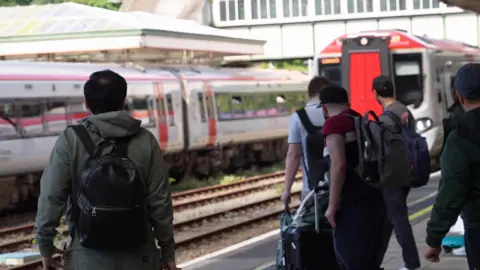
343	124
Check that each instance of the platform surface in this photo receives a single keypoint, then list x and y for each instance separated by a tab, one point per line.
261	255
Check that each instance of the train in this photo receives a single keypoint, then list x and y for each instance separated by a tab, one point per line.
206	119
422	70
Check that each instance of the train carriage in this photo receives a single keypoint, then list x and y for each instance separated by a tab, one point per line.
421	69
205	119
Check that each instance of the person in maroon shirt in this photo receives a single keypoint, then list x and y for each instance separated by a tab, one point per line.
356	210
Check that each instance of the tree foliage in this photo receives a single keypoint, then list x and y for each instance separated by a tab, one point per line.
93	3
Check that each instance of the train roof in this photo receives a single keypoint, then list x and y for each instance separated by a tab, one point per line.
401	40
68	31
42	71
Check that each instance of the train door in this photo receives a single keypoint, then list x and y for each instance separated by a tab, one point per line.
161	115
364	58
212	123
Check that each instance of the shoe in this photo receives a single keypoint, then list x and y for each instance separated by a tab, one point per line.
460	251
404	268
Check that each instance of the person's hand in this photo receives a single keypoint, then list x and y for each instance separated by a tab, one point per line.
51	262
171	266
330	215
286	197
432	254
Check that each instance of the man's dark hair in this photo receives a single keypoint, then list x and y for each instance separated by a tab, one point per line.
334	94
316	85
105	91
384	86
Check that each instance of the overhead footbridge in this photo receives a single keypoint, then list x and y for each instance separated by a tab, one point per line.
70	32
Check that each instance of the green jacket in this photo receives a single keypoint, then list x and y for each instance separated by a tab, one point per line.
68	155
459	189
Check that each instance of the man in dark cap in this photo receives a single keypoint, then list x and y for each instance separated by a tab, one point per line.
459	189
357	242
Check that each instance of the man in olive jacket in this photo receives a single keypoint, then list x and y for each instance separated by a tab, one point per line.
459	189
105	94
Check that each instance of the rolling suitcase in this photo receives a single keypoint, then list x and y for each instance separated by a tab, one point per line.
309	246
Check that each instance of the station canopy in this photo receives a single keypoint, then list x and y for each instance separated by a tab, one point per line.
75	32
472	5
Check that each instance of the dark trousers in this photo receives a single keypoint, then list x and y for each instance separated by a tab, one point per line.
472	247
397	213
357	236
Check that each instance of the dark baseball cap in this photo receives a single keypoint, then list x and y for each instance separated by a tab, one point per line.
333	94
467	81
382	82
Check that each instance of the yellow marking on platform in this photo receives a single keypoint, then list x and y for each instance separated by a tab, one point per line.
27	27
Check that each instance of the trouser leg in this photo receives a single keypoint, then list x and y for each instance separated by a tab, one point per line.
472	247
385	239
356	236
397	210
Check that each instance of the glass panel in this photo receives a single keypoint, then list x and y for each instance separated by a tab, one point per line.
360	6
56	116
416	4
328	7
241	9
318	7
337	6
254	9
273	9
8	120
435	3
286	8
295	10
201	107
393	5
369	5
304	7
263	9
170	110
425	4
231	10
402	4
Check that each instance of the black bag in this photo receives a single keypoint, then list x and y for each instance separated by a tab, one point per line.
317	164
109	209
310	246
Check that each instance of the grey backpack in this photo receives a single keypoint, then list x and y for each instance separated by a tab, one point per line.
383	158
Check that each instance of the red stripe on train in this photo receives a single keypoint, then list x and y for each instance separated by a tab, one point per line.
212	124
162	121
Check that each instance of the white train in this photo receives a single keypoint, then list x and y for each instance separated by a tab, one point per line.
422	70
204	118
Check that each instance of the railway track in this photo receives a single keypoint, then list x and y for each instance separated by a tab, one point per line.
186	238
208	194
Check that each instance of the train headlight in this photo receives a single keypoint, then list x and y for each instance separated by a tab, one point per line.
423	124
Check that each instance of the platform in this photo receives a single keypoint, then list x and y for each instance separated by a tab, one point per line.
260	254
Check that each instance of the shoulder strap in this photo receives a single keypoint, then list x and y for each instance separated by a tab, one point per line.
85	138
394	117
307	124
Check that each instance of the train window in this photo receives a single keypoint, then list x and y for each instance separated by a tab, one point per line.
171	111
237	107
8	124
260	104
408	78
210	109
223	106
161	111
31	119
55	116
201	107
330	68
248	106
282	104
300	100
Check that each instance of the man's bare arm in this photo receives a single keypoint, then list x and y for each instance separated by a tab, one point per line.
338	166
292	163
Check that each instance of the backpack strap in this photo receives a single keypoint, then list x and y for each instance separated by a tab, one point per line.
395	118
85	138
307	124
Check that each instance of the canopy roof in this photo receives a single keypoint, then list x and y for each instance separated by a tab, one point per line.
70	31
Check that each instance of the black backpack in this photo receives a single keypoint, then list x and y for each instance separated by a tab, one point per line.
108	205
317	164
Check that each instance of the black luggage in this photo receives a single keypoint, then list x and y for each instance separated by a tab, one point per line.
310	246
